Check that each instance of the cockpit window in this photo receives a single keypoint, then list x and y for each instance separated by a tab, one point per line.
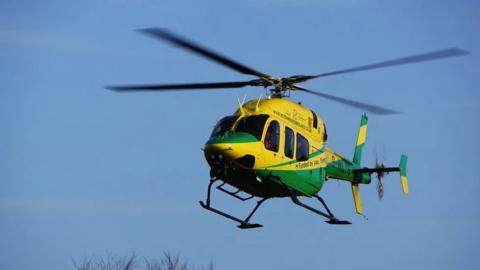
224	125
252	124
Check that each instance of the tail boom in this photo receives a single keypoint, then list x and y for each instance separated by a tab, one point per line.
342	169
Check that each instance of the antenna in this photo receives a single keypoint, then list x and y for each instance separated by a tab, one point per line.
240	106
258	102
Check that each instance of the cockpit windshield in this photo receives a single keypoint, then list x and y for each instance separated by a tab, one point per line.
224	125
252	124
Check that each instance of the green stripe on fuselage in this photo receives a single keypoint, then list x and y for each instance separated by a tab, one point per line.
233	137
307	182
312	155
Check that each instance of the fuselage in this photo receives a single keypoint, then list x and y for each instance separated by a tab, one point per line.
269	147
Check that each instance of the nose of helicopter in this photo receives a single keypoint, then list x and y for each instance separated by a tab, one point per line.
230	146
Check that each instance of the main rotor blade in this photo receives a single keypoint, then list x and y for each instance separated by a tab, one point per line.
429	56
188	86
190	45
352	103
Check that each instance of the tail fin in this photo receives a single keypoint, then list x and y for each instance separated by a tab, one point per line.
403	173
357	158
362	136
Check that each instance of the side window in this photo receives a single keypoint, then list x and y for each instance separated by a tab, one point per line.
289	142
325	135
272	137
302	148
315	120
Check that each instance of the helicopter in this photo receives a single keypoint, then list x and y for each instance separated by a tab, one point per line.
275	147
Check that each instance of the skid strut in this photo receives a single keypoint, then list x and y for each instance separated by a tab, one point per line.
244	224
329	215
233	194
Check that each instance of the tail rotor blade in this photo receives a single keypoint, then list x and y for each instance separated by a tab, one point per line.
380	187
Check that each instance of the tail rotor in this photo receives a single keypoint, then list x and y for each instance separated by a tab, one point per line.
379	167
380	187
381	171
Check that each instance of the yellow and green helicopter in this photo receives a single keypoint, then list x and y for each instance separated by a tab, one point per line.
275	147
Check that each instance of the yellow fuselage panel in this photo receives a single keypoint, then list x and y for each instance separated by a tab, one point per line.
249	151
288	114
293	114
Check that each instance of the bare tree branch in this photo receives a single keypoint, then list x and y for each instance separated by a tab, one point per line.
168	261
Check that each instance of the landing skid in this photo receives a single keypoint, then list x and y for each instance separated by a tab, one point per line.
329	215
338	222
244	224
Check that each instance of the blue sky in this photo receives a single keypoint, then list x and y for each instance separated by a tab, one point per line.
84	170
